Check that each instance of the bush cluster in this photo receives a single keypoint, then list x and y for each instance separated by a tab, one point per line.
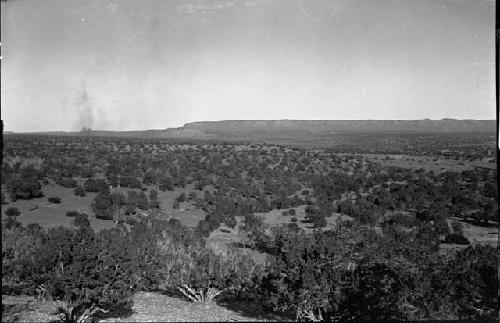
456	238
12	211
54	199
103	269
353	273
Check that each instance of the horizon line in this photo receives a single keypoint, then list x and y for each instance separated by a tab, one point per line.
84	129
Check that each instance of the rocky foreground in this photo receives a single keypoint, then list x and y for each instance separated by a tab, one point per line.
147	307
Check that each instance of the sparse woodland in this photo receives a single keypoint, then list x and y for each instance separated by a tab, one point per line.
382	260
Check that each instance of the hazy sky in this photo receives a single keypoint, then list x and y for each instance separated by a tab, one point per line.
123	65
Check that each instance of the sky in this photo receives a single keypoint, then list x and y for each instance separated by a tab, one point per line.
152	64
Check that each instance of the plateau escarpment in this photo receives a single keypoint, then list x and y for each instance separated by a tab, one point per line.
345	126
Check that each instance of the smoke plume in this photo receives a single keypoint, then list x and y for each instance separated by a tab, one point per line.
86	116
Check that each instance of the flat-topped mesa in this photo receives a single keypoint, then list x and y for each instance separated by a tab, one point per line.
349	126
294	130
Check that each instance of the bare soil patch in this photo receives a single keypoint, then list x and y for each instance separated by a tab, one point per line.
428	163
147	307
39	210
155	307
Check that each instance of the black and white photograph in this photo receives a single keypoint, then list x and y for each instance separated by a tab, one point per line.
249	160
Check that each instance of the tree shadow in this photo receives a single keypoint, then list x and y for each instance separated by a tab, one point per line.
251	309
12	312
116	312
259	246
171	292
489	224
239	245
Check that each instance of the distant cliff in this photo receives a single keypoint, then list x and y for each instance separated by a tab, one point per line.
342	126
293	131
153	133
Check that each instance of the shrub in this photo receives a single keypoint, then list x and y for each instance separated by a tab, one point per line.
470	276
89	276
10	222
3	198
131	182
12	211
203	229
166	183
85	270
441	226
254	224
288	212
72	213
79	191
55	199
81	221
318	276
374	294
181	198
293	227
67	182
153	199
457	227
18	244
78	313
131	221
96	185
201	274
296	201
25	188
130	210
137	200
293	284
102	206
456	239
408	221
473	279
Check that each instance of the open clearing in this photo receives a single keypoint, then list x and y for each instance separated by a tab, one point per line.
41	211
147	307
428	163
276	218
480	235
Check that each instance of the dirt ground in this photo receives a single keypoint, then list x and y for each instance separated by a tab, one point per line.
147	307
480	235
428	163
41	211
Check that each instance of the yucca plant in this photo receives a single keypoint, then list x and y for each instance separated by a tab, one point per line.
200	295
201	273
41	292
309	315
78	313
